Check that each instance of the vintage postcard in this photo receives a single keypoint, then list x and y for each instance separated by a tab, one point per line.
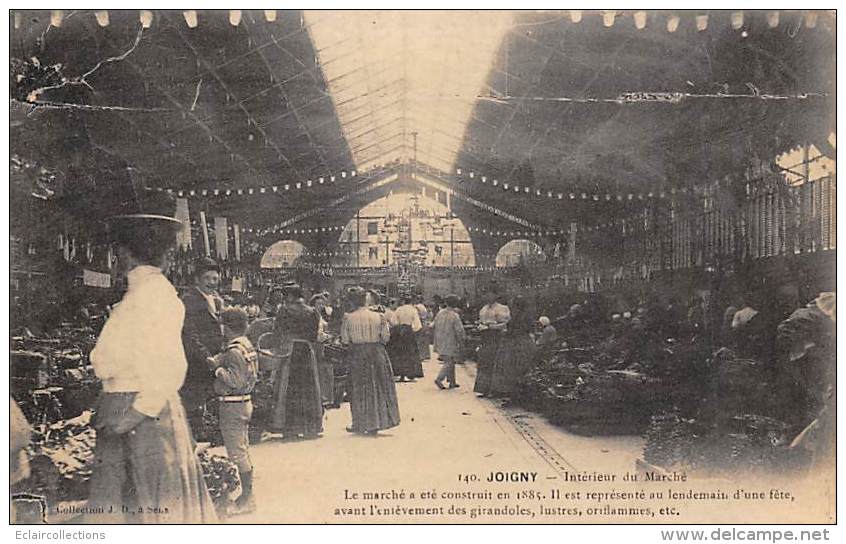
430	267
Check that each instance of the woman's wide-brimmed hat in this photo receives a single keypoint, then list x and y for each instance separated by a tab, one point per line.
146	206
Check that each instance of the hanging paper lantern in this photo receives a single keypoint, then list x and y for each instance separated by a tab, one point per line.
18	20
608	18
772	19
576	15
190	18
102	17
640	20
811	19
701	22
672	23
234	17
737	20
57	16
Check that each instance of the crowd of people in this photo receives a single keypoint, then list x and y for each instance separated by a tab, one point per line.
164	359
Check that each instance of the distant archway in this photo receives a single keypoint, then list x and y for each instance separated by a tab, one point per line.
404	228
516	252
282	254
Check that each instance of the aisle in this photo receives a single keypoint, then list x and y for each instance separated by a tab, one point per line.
443	434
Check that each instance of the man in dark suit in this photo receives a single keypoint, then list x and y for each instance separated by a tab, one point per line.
202	337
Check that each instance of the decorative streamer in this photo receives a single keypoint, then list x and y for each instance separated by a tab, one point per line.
221	238
183	236
205	228
237	242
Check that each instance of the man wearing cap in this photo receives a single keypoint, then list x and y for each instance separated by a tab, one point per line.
202	337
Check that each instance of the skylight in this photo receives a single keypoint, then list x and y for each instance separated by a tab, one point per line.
396	73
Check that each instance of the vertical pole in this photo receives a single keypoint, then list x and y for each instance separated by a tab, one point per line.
358	239
452	246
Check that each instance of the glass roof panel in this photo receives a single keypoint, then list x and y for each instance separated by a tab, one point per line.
394	74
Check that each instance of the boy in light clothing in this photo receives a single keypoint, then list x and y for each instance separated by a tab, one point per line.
236	371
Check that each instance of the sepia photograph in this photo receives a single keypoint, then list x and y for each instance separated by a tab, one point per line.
436	267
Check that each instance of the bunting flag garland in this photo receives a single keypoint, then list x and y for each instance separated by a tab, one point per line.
577	195
258	190
609	18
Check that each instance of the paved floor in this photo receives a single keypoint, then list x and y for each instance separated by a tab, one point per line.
447	440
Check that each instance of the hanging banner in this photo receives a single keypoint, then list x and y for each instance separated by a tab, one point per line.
571	243
221	238
183	237
237	243
205	228
96	279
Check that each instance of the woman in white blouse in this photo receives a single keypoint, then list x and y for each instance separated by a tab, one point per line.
373	404
145	470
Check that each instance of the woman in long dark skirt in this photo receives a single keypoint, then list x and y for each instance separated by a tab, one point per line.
325	369
373	404
493	320
298	407
517	351
423	337
403	348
